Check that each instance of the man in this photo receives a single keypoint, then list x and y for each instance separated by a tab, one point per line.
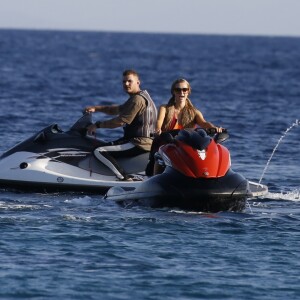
137	116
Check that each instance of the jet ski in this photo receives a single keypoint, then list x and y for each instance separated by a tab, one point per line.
197	177
56	160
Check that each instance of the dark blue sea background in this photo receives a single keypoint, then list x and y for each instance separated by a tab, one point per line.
80	246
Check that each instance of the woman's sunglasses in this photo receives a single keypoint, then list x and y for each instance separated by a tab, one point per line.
179	90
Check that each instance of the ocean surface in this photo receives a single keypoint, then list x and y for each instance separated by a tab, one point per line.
79	246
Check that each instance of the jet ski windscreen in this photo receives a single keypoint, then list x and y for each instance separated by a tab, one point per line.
82	123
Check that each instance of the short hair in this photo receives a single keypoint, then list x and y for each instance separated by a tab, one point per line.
131	72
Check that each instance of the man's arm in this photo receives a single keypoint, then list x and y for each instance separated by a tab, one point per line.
107	109
112	123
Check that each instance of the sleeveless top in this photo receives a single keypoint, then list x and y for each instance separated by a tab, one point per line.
174	124
187	119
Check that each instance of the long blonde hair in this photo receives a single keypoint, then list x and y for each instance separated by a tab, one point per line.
188	112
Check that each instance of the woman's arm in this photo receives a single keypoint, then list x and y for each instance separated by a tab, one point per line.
199	120
160	118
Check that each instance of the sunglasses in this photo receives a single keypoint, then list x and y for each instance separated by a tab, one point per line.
179	90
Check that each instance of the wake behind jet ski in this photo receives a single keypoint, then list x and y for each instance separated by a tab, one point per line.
57	160
198	176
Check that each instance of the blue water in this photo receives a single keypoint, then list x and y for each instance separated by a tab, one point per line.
78	246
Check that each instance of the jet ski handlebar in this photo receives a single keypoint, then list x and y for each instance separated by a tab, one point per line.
219	137
212	131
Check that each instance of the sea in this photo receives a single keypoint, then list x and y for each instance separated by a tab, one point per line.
81	246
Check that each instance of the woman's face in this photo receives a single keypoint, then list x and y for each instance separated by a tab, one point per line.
181	92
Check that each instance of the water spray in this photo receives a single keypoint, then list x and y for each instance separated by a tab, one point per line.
296	123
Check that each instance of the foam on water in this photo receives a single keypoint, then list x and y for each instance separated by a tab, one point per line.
86	200
290	196
18	206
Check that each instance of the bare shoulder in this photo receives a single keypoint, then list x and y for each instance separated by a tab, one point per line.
163	107
198	112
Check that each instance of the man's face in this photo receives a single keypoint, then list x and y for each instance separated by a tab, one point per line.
131	84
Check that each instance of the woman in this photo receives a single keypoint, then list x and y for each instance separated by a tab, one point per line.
178	114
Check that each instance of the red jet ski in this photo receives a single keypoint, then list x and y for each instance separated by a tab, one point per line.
197	177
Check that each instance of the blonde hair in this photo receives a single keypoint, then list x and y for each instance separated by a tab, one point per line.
189	111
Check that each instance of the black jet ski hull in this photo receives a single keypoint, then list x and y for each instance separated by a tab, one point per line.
172	189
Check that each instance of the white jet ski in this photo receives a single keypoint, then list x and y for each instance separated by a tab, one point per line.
55	160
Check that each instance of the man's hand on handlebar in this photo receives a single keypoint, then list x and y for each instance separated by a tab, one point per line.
90	109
